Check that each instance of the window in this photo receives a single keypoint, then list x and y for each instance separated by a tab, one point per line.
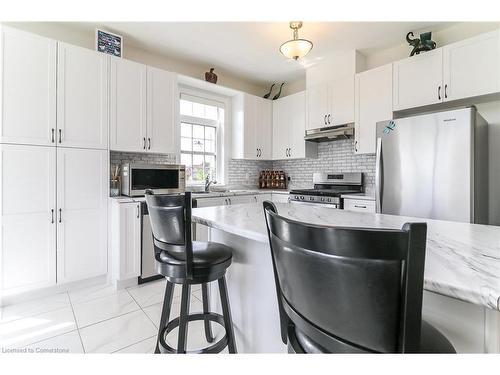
200	124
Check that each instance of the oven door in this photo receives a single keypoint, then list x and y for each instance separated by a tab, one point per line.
161	179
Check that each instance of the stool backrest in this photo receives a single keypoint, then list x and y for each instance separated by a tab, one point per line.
170	216
349	289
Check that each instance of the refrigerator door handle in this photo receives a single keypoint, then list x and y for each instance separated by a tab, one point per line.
378	177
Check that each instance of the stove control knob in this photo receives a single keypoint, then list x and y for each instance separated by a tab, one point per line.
296	197
322	199
329	200
311	198
301	198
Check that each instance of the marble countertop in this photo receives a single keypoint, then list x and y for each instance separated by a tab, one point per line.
362	196
212	194
462	260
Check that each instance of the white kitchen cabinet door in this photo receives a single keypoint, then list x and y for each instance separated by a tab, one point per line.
472	67
373	94
281	133
161	101
82	190
82	97
201	232
341	101
129	259
418	80
296	107
28	229
317	106
28	84
127	105
264	128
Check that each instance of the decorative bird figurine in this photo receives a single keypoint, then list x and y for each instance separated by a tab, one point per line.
270	91
279	92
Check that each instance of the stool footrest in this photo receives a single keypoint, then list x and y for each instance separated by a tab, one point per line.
214	348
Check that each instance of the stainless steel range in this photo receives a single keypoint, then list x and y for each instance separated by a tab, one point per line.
328	187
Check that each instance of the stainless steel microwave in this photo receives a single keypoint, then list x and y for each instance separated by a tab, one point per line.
161	178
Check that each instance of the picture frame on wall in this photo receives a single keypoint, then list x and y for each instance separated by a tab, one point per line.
110	43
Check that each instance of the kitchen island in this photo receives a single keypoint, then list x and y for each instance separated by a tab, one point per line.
462	273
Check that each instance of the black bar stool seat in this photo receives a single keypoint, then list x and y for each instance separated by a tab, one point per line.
210	262
186	262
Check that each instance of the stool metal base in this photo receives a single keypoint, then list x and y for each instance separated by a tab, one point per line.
214	348
228	340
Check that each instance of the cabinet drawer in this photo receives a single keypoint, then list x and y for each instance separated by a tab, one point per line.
359	205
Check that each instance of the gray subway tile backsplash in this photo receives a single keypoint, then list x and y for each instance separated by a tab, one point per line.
335	156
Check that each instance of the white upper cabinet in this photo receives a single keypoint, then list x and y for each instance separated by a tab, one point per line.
461	70
28	218
264	128
82	190
373	103
162	99
317	106
472	67
127	106
252	127
330	90
341	97
418	80
28	82
82	97
289	125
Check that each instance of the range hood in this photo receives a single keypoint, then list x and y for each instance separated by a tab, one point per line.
330	133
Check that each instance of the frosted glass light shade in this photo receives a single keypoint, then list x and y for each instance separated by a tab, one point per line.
296	48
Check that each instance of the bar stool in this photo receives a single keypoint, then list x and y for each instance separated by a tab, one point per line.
184	261
351	290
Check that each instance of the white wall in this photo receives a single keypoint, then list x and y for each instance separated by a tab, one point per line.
66	33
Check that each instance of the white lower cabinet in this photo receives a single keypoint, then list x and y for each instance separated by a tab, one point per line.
50	193
28	229
359	205
82	214
126	240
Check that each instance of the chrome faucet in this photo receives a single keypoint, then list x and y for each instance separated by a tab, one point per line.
208	182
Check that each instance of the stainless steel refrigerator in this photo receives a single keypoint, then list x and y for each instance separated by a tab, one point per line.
434	166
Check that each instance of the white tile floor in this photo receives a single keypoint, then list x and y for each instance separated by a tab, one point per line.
98	319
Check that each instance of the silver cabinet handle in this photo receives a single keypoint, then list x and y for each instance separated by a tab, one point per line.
144	143
52	216
225	200
325	119
52	138
255	197
230	201
446	91
257	152
329	119
357	206
149	143
60	215
290	152
356	146
138	211
60	135
439	92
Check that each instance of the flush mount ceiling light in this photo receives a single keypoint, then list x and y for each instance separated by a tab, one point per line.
296	48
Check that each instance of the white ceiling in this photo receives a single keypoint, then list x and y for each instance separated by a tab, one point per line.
250	49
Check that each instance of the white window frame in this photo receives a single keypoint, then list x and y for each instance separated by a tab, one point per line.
223	145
